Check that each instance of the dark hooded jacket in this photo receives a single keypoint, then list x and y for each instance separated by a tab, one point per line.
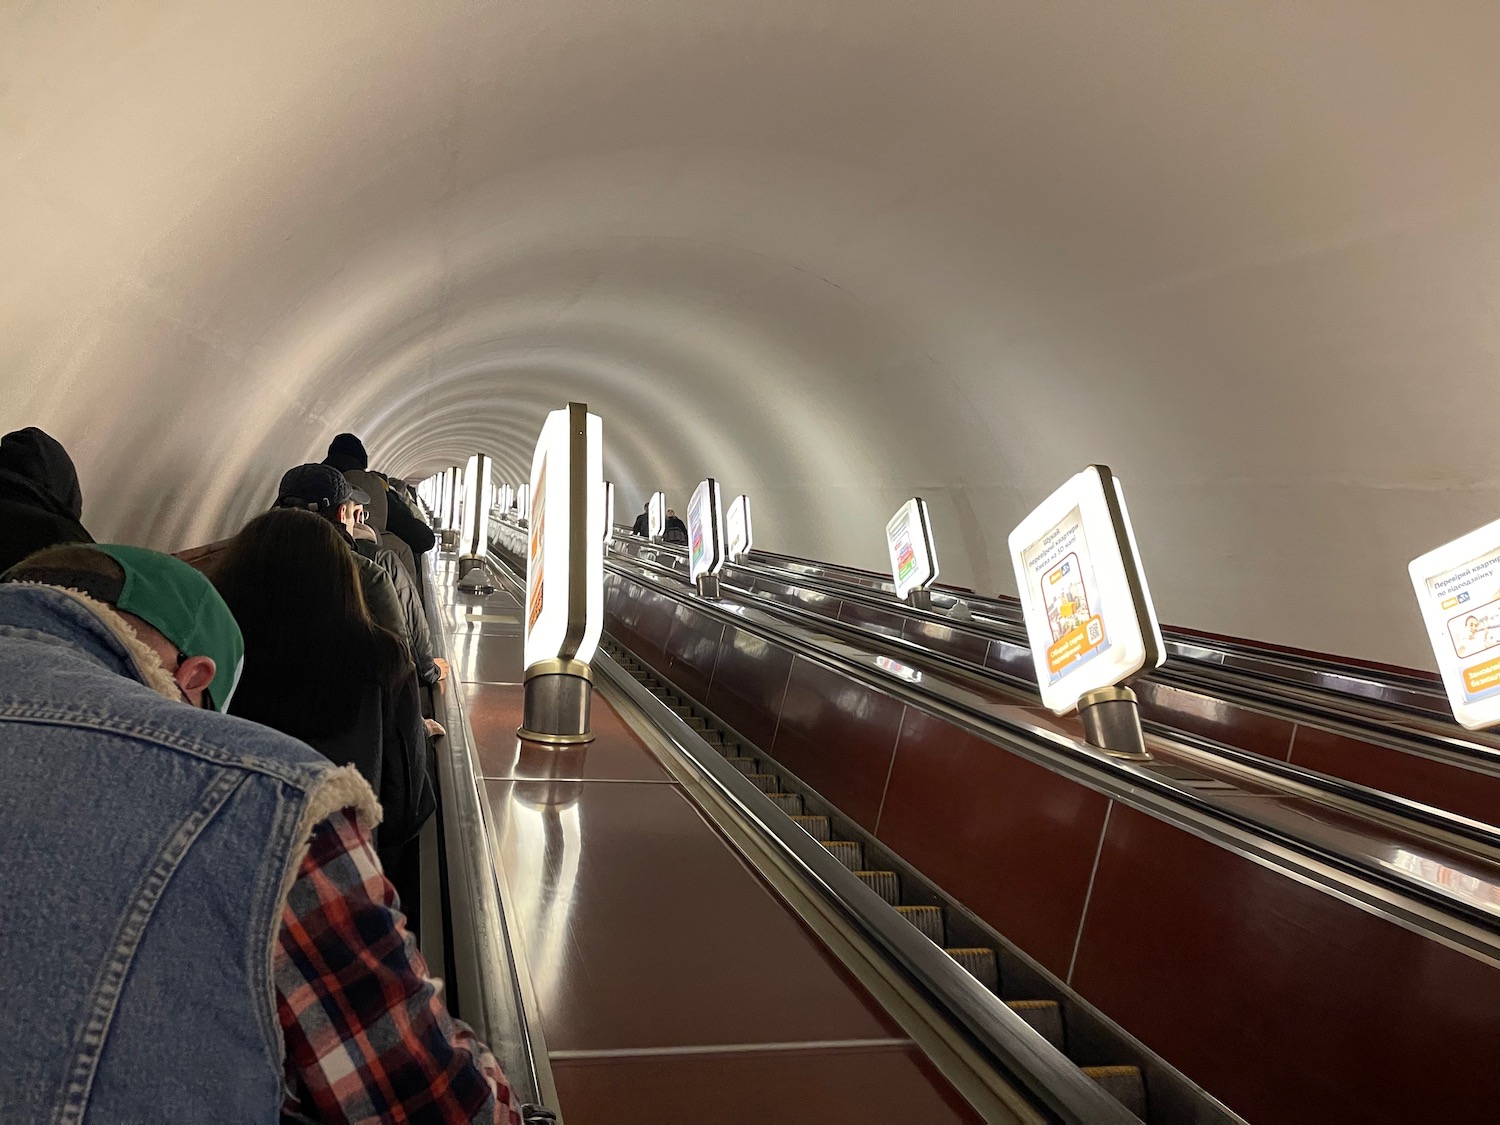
346	452
40	501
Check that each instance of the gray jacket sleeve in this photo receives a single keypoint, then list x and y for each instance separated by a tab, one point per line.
380	596
419	637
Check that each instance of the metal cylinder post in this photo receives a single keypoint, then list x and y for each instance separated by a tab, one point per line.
558	696
474	576
920	598
1112	722
708	585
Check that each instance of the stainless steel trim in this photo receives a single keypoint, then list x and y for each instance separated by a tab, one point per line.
491	982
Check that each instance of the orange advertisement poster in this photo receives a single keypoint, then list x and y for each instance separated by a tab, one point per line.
538	574
1074	643
1482	677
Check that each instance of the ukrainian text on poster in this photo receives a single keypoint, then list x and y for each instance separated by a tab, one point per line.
1468	600
1063	586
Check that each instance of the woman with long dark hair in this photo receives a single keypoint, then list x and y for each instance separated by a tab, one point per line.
318	668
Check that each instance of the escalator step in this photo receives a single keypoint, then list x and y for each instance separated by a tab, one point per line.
847	852
815	826
883	883
981	963
1125	1084
928	919
767	782
693	720
747	766
790	803
1045	1016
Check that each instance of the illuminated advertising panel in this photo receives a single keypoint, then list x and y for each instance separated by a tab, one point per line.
656	515
476	523
738	534
705	530
1089	615
609	511
1458	589
908	539
565	553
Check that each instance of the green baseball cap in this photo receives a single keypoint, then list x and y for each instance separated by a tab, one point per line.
183	606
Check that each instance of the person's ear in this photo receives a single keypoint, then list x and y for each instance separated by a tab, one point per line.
194	675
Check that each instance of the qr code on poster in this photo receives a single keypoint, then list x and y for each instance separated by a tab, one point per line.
1096	631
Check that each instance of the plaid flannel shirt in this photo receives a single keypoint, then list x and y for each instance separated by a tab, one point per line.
367	1036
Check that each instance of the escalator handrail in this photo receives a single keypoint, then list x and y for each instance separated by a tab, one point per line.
487	978
1442	820
1183	643
1332	708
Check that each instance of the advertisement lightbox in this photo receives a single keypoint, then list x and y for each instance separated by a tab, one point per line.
705	530
908	538
656	515
1089	615
609	511
565	555
1458	588
738	534
475	537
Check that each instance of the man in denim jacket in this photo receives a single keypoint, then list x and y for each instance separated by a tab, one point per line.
195	927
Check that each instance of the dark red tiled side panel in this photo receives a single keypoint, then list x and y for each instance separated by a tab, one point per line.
1445	786
850	1086
1236	974
748	685
1203	715
1012	841
838	736
692	650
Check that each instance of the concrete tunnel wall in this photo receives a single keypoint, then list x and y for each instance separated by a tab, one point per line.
834	253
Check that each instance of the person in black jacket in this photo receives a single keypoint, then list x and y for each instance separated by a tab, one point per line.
642	525
347	452
318	668
40	501
674	530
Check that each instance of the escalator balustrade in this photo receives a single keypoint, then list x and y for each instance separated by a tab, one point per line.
1047	1017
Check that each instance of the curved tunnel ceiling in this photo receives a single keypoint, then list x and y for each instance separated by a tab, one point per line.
834	253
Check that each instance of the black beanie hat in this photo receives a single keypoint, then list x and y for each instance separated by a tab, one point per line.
346	451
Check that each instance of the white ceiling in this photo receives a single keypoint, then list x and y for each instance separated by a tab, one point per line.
833	252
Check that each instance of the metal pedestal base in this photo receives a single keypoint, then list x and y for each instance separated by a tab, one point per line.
1112	722
474	576
919	599
557	701
708	585
447	539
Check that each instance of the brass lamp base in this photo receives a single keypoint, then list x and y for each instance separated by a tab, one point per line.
556	707
1112	722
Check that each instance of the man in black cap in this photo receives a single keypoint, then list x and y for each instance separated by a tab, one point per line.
40	501
323	489
346	452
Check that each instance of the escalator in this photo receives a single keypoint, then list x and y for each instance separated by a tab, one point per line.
1229	918
1224	696
911	897
674	949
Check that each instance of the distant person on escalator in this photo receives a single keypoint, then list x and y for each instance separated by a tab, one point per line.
642	525
196	927
318	668
674	530
347	452
431	670
40	501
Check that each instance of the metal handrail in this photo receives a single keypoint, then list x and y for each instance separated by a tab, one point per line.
488	978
